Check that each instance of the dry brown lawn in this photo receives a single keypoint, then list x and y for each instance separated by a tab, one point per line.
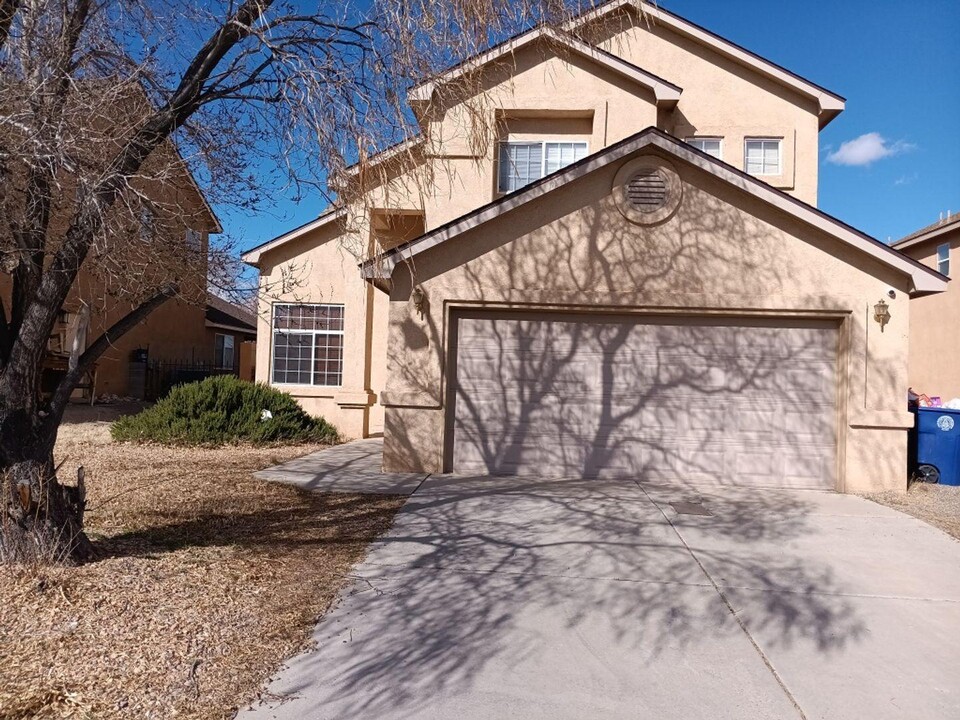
938	505
208	580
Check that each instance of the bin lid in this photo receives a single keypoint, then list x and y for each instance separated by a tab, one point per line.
939	410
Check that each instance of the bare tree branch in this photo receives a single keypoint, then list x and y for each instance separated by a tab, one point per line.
8	9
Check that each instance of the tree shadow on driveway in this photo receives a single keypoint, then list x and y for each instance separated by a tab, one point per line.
556	598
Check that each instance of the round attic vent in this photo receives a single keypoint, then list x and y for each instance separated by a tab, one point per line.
647	190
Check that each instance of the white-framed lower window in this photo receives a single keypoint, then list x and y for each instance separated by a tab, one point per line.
709	145
761	156
307	345
521	163
943	259
223	352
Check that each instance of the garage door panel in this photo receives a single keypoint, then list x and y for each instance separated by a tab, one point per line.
607	396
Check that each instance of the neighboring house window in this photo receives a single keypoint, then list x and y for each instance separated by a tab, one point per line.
523	162
308	345
146	219
223	351
762	156
943	259
711	146
193	239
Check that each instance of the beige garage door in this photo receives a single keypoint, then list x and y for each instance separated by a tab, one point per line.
728	401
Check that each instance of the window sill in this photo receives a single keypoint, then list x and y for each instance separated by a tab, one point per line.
317	391
781	181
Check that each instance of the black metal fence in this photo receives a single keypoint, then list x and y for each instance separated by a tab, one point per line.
162	375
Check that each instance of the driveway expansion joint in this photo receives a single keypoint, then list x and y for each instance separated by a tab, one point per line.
743	627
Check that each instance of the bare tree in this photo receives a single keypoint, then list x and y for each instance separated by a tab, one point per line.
103	106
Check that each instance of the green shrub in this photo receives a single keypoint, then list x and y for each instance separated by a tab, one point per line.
221	410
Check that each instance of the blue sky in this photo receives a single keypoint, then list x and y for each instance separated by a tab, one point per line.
898	65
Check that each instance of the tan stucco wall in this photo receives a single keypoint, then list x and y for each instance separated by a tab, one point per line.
935	326
722	98
175	331
721	251
530	93
318	268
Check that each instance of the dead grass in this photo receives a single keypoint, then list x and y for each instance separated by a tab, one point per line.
938	505
209	579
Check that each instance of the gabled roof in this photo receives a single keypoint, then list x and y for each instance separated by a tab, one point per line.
665	92
252	256
924	280
830	103
226	315
387	153
930	232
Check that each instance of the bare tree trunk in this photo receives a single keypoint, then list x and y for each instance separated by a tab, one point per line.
42	518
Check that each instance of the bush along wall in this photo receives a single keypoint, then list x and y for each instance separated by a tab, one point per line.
224	410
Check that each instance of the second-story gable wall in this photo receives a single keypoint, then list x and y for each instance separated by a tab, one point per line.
721	98
548	85
534	93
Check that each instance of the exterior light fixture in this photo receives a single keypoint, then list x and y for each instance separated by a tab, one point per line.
881	313
419	299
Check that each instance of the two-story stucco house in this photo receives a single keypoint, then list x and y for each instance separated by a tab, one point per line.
629	278
935	319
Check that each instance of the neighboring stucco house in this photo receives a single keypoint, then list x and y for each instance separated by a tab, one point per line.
935	319
629	278
174	332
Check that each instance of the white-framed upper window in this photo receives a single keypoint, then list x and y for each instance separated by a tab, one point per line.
709	145
223	354
520	163
762	156
307	345
943	259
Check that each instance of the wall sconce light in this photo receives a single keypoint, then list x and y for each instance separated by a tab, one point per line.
881	313
419	299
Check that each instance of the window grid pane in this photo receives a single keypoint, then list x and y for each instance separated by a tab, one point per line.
561	154
308	344
763	157
520	164
711	146
943	259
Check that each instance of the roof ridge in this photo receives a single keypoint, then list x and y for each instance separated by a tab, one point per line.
941	223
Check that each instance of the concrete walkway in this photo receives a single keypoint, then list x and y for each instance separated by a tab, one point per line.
495	598
351	467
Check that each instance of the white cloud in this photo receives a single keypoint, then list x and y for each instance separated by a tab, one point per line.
866	149
906	179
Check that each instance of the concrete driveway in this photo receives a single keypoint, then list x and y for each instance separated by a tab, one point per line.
495	598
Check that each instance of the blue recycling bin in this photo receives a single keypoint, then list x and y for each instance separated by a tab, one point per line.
938	445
